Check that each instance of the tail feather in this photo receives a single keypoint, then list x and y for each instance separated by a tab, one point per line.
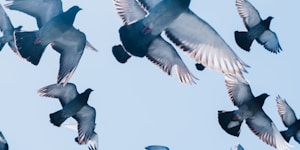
28	48
120	54
2	45
242	39
228	123
286	135
57	118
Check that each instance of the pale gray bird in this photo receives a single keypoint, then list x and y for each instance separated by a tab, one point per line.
74	105
160	52
7	29
156	147
289	119
258	29
201	41
3	142
137	36
249	109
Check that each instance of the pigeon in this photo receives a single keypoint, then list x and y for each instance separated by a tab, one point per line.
42	10
201	41
156	147
8	30
137	36
3	142
160	52
289	119
249	109
238	147
93	142
74	105
258	29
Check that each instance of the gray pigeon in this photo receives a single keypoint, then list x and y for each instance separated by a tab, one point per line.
8	30
156	147
238	147
137	36
3	142
203	44
258	29
74	105
160	52
250	109
289	119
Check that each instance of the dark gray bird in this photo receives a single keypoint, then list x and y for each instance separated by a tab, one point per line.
160	52
93	142
258	29
249	109
289	119
74	105
137	36
156	147
8	31
201	42
3	142
238	147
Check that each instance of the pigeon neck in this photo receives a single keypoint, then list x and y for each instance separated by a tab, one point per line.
267	22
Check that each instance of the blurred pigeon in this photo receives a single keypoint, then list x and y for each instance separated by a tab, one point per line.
3	142
8	30
238	147
93	142
42	10
203	44
156	147
258	29
250	109
137	36
75	105
160	52
289	119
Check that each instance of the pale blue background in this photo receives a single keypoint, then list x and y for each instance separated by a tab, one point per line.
139	105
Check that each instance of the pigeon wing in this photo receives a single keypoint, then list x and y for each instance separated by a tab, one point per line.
238	89
270	41
248	12
166	57
285	111
262	126
65	93
129	10
85	117
204	44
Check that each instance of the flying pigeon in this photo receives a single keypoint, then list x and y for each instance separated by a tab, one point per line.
249	109
156	147
42	10
137	36
74	105
238	147
258	29
93	142
8	30
160	52
289	119
3	142
201	41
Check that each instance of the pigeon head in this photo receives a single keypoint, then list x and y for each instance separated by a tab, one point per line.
261	99
267	22
69	15
18	28
88	91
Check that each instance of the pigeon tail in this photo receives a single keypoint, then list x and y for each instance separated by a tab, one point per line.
285	134
2	43
27	46
199	66
120	54
58	118
229	122
243	41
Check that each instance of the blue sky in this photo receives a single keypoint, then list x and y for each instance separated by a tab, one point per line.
139	105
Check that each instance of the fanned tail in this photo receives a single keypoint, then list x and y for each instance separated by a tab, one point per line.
242	40
228	122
